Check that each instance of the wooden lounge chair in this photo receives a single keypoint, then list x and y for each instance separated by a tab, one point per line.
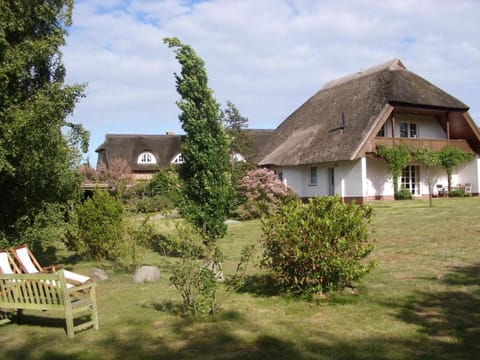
29	265
7	265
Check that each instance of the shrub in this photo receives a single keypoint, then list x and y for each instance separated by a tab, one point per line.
102	233
264	193
193	279
165	183
100	226
153	204
457	193
42	229
317	247
137	237
403	194
198	280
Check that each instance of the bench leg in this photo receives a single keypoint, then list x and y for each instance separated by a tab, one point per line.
19	316
69	323
94	309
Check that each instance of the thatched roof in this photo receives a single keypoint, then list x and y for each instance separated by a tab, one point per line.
164	147
129	147
312	134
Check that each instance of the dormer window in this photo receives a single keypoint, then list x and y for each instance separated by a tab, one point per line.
146	158
178	159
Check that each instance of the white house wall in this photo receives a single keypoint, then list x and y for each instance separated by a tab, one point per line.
427	126
349	179
369	178
468	173
378	180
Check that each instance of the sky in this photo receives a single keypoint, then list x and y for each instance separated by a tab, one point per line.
265	56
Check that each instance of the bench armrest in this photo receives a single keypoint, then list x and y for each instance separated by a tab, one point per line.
86	286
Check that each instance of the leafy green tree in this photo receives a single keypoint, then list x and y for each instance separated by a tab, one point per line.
397	158
451	157
205	179
429	159
37	160
235	125
241	144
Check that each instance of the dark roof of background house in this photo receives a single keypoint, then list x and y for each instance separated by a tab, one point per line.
164	147
130	146
307	136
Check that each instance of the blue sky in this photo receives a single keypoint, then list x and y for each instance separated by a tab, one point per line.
266	56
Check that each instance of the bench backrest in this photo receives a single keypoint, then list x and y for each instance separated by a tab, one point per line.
33	291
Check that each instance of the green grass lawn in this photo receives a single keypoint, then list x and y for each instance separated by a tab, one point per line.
422	301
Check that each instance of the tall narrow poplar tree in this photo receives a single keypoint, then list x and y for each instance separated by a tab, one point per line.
36	158
205	179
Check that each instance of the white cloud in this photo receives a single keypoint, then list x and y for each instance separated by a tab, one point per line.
266	56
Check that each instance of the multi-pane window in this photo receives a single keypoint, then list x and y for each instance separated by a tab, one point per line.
411	179
146	158
408	130
313	175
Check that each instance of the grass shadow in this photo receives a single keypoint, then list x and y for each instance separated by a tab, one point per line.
449	319
169	307
260	285
50	257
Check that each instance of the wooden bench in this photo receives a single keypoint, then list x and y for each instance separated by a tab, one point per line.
50	292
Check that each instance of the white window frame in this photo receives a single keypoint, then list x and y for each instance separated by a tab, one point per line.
237	157
178	159
410	179
410	130
146	158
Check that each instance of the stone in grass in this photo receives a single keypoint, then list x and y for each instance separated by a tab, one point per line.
147	274
99	275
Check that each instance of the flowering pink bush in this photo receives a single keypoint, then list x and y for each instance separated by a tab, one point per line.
264	192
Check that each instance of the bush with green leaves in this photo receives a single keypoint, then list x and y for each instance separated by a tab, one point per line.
166	183
403	194
136	238
41	230
457	193
150	204
197	279
100	226
317	247
102	233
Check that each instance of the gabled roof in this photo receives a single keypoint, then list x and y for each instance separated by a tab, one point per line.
163	147
315	132
129	146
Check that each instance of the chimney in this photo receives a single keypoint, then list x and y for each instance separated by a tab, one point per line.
170	133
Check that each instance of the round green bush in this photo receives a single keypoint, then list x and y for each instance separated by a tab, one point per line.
317	247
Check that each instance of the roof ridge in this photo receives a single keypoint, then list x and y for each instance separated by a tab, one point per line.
394	64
